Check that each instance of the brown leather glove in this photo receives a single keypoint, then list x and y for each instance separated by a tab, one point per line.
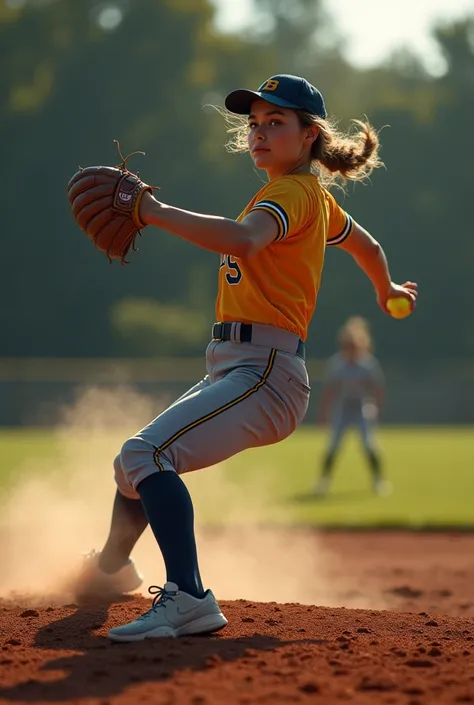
105	203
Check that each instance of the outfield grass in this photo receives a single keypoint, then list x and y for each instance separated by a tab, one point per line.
432	471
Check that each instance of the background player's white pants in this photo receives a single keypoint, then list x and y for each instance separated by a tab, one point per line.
252	396
342	421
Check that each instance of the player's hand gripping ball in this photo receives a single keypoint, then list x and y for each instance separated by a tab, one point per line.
399	307
105	203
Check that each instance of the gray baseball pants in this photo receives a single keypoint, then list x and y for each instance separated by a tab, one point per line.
253	395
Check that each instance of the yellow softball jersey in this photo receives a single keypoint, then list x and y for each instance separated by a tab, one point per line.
279	285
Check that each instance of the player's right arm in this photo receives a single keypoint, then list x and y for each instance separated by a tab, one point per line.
348	235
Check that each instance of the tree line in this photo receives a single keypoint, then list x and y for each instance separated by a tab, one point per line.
75	76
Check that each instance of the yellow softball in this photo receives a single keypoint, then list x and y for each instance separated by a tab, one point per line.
399	307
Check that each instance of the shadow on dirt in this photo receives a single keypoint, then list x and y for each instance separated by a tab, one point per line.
104	669
331	498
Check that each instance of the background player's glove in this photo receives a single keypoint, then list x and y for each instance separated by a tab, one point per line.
105	203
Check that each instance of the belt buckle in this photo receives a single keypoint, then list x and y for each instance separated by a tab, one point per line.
217	331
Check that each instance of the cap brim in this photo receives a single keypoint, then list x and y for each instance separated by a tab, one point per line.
240	101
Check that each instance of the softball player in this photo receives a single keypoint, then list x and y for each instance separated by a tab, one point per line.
256	390
352	396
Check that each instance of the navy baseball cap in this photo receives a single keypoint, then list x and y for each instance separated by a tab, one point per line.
283	90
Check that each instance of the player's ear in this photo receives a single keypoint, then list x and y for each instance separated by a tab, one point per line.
312	133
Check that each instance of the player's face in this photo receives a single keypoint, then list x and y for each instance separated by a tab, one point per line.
277	141
350	349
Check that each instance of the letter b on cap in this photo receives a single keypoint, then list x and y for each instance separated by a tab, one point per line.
270	85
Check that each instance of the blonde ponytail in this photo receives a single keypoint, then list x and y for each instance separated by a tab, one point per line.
344	155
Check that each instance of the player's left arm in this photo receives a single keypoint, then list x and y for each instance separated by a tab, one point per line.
329	390
377	379
379	396
371	258
215	233
325	405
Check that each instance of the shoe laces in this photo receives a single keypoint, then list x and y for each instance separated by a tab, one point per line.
161	597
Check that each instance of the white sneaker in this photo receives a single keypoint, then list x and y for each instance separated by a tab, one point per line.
93	581
382	488
173	613
322	486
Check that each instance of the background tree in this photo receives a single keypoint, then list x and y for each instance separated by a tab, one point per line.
77	75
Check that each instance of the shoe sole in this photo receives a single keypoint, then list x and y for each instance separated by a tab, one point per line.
203	625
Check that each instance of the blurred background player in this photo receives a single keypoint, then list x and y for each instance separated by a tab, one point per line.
352	395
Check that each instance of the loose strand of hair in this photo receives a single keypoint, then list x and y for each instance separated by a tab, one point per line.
237	128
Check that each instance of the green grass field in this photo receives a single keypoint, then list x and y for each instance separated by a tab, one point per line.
432	471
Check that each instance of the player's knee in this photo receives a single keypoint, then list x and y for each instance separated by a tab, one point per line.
138	459
123	485
135	458
133	453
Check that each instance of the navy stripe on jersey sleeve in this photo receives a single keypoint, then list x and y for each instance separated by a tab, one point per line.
278	212
338	239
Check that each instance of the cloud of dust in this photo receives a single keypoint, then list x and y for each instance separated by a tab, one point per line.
256	554
58	513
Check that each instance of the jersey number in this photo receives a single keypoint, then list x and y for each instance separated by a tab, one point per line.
234	273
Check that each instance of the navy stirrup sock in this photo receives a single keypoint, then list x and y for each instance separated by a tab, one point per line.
328	463
128	524
169	509
375	463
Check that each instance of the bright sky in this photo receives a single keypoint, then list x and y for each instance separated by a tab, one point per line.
373	28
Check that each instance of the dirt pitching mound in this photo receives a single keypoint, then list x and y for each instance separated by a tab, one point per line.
421	652
269	653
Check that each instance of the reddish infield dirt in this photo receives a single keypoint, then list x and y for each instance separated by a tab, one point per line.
421	652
